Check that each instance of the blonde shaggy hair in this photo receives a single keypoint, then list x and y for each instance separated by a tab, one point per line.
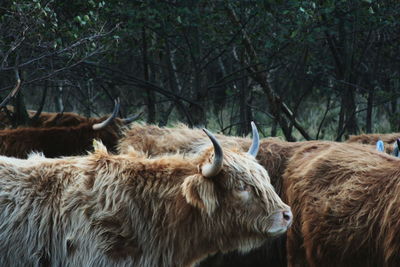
129	210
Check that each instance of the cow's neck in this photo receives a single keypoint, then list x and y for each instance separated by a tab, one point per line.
158	226
184	245
178	235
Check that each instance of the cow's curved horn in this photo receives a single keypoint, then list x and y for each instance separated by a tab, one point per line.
380	146
396	148
103	124
212	169
255	145
132	118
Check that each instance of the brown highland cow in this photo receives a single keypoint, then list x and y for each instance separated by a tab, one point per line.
60	141
389	140
64	119
345	200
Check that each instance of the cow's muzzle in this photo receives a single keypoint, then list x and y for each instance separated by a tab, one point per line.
280	222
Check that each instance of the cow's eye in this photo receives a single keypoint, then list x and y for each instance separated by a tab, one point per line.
243	192
243	187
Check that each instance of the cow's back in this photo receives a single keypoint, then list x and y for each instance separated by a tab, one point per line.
344	199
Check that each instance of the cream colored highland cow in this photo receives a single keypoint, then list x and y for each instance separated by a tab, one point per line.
131	210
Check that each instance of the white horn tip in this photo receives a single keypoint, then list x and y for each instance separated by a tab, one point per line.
212	169
253	150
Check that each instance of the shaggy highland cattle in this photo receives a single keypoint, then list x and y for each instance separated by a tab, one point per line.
64	119
130	210
371	139
345	201
340	194
46	119
273	155
60	141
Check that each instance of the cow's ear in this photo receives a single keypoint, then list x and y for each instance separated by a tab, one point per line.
99	148
200	192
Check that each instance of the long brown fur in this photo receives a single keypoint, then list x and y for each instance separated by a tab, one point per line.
57	141
67	119
346	202
54	119
129	210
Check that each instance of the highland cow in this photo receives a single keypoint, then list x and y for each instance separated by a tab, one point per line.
130	210
277	157
345	200
63	119
371	139
45	119
60	141
273	155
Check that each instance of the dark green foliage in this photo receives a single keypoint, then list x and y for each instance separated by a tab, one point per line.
315	69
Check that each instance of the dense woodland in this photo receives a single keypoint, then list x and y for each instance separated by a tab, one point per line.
300	69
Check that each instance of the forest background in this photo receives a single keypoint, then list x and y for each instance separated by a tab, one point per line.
300	69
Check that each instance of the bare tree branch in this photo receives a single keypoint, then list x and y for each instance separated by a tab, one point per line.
275	102
13	92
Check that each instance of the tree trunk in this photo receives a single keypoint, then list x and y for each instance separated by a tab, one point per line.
370	103
21	116
344	55
274	128
350	111
244	128
58	98
171	76
150	96
200	92
165	115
